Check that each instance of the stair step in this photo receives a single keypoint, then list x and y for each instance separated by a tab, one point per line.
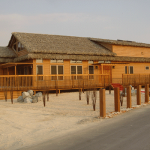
114	85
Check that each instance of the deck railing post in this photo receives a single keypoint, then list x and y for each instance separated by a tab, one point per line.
117	99
139	95
102	103
129	97
146	93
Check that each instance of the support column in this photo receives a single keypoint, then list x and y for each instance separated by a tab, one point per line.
146	93
15	70
129	97
117	99
139	95
102	103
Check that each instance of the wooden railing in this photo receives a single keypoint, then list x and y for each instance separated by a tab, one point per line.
40	82
135	79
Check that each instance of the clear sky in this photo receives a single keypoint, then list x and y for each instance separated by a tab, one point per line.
106	19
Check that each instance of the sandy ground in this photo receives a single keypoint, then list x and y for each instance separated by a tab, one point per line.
23	124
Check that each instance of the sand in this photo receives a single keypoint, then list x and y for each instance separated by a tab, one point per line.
23	124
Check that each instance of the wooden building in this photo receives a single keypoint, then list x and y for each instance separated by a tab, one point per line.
39	60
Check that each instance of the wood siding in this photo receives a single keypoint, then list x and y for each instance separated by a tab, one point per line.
22	53
131	51
138	68
16	94
108	46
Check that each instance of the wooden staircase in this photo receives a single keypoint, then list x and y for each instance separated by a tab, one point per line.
114	85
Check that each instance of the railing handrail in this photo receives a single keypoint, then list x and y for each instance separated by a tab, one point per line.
55	75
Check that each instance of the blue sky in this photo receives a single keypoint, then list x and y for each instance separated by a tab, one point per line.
106	19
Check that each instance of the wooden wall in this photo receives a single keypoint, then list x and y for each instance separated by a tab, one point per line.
16	94
108	46
131	51
22	53
67	67
138	68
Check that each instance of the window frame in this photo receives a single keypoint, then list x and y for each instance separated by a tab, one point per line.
91	76
129	70
126	69
42	71
57	72
76	75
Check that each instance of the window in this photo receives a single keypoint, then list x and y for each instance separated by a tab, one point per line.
107	61
20	46
57	61
101	61
147	68
57	70
128	69
75	61
90	61
39	60
76	70
91	72
39	71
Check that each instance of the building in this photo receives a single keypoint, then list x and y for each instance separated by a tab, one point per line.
30	60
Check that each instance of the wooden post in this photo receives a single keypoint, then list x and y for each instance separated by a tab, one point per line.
102	103
117	99
129	97
109	89
79	94
146	93
139	95
102	69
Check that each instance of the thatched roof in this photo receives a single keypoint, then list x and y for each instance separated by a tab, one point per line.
7	52
56	44
120	42
6	55
67	47
83	57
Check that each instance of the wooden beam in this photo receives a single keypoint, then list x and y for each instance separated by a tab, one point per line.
1	65
11	41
